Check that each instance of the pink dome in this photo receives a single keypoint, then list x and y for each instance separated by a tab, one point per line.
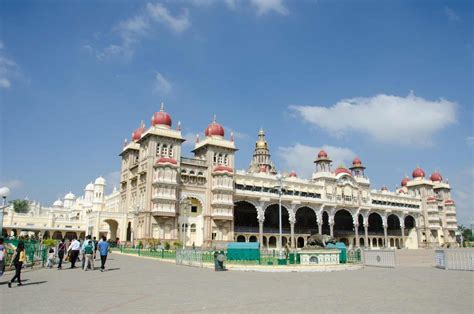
322	154
214	129
436	177
384	188
418	173
161	118
405	181
342	170
356	162
293	175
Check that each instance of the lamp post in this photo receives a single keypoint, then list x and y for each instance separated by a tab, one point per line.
4	193
184	203
135	215
279	188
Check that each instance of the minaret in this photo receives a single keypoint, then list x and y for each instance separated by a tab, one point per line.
261	161
357	168
323	163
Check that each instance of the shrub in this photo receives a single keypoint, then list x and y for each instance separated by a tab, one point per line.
177	244
167	245
50	243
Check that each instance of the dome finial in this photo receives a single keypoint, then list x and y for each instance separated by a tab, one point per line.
214	119
232	136
197	138
179	125
142	124
162	107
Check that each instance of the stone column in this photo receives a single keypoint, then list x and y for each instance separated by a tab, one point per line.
260	233
331	229
356	227
403	236
366	235
385	236
292	234
320	228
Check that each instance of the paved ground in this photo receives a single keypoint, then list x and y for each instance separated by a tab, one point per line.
134	284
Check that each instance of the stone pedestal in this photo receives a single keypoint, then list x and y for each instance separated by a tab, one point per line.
319	257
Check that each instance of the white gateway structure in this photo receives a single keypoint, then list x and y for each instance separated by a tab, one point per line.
204	201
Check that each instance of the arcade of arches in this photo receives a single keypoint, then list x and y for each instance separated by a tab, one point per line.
373	230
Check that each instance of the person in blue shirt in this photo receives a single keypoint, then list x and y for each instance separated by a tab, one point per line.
104	250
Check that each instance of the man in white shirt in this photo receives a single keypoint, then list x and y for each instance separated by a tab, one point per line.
74	248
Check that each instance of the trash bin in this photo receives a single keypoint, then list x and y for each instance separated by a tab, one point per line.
298	261
282	261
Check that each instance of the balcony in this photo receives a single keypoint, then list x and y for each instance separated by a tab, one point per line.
164	181
193	161
162	212
222	188
433	218
222	214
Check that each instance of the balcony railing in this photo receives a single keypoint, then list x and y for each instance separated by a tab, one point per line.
193	161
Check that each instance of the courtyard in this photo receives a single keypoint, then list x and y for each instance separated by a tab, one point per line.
136	284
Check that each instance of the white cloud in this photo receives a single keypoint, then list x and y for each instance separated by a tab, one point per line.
138	26
300	157
8	69
161	85
161	14
4	83
386	118
452	16
14	184
267	6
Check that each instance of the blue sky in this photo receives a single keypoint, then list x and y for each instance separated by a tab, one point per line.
388	81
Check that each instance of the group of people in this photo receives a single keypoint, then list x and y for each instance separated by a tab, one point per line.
85	251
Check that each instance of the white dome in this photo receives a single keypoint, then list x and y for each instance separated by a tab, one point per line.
58	203
89	187
100	181
70	196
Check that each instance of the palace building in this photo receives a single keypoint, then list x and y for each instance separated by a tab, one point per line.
205	201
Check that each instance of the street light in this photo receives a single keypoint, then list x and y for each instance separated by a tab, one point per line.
279	188
4	193
184	203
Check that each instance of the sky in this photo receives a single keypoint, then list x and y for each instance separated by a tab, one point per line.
388	81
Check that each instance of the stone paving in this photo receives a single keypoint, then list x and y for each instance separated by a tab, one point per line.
134	284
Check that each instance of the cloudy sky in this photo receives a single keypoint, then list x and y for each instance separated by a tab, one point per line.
388	81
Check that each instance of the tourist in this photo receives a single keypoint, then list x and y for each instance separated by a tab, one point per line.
83	253
51	257
74	249
18	259
103	250
95	247
61	250
3	257
88	252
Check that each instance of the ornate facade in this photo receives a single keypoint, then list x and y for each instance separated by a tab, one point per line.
204	201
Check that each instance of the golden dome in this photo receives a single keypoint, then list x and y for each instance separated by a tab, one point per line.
261	144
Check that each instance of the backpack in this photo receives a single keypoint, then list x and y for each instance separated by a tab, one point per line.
89	249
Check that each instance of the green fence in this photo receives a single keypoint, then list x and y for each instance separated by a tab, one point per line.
36	253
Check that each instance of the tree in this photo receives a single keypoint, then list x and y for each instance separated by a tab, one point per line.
20	206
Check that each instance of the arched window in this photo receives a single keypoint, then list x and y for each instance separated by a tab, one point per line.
219	159
158	150
164	151
215	158
226	160
171	151
193	228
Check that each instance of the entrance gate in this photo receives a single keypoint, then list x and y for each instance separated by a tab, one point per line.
189	257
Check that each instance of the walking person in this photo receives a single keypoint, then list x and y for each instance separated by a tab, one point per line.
18	259
83	246
96	246
61	250
104	250
51	257
3	257
88	252
74	249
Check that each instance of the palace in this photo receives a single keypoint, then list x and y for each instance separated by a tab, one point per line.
204	201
